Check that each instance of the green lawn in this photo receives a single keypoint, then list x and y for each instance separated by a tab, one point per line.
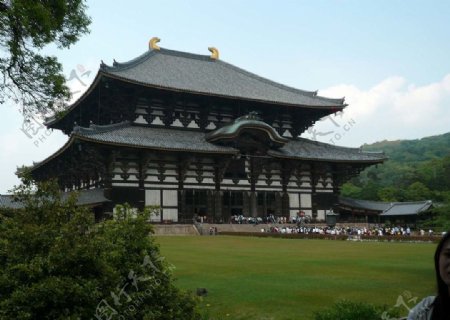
268	278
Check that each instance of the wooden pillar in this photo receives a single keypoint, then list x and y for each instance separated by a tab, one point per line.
107	177
314	180
286	172
218	212
142	175
219	171
182	169
253	209
182	206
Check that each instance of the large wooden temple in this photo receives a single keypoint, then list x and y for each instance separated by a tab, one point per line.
198	136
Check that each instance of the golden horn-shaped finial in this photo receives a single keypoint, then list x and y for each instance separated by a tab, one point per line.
214	53
152	44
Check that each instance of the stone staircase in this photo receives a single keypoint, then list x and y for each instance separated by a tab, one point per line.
204	227
175	230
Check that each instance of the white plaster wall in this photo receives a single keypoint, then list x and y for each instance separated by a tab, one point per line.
157	121
170	214
305	200
152	197
192	124
124	184
152	171
170	179
321	214
177	123
140	120
292	213
208	180
170	198
293	200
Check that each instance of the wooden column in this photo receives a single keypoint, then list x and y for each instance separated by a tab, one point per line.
314	180
253	209
221	166
183	165
142	175
286	172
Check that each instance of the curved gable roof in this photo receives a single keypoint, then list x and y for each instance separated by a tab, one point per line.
195	73
250	123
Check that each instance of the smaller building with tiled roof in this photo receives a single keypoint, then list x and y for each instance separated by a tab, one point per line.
376	211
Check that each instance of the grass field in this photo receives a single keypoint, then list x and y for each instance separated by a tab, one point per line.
267	278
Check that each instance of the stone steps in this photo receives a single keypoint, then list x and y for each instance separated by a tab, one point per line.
175	230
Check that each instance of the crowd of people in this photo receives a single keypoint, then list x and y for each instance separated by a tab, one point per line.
354	231
304	225
241	219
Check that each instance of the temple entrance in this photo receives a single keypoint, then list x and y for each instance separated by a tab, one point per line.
267	204
233	204
194	204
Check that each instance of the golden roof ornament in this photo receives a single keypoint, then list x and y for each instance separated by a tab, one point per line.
214	53
152	44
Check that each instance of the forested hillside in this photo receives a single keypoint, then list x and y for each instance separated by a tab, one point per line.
416	170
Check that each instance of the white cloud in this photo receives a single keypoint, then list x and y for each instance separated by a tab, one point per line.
391	110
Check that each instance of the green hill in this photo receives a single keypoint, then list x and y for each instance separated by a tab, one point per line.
416	170
408	151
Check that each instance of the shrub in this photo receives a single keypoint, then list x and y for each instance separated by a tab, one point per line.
56	263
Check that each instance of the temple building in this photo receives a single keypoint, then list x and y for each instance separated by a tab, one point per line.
199	137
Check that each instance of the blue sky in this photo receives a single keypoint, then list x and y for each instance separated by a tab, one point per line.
390	59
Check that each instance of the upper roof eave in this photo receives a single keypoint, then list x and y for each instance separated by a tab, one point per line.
116	77
137	69
52	121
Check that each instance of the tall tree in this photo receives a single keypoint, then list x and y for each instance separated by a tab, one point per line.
30	78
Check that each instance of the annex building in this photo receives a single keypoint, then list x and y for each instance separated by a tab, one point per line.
198	136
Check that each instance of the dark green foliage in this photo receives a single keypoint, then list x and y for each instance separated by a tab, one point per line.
416	170
405	151
33	80
440	217
349	310
56	263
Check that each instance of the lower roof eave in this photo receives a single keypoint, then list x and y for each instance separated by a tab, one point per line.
118	144
375	161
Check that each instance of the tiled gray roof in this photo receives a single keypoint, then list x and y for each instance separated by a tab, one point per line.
7	201
85	197
407	208
150	137
183	140
364	204
89	197
314	150
388	208
194	73
232	130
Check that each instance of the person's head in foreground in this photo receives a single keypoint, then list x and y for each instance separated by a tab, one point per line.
442	268
437	308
